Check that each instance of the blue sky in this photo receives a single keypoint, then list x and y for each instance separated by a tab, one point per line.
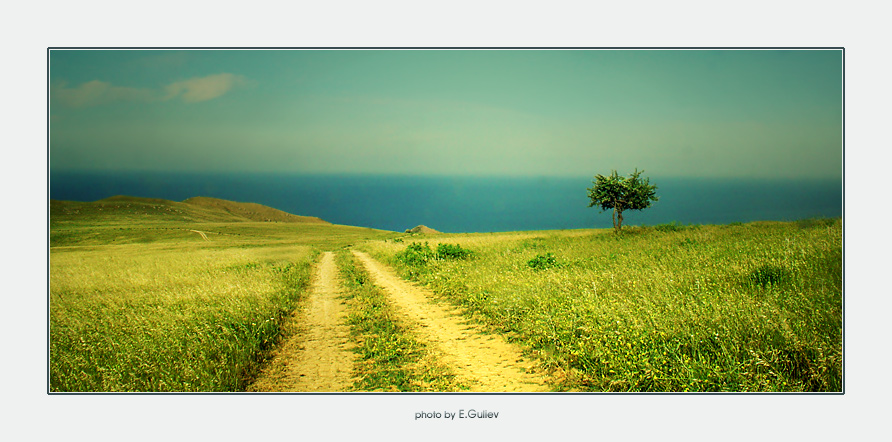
684	113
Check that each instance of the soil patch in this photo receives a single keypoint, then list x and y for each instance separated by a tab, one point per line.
317	357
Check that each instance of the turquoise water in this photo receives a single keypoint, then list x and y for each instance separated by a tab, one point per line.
463	204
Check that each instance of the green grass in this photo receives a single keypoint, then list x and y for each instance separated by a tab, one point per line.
750	307
222	234
145	304
390	357
140	302
149	318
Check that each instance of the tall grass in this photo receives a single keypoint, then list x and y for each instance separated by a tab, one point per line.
147	303
144	317
755	307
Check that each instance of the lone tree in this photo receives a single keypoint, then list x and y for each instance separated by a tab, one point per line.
622	193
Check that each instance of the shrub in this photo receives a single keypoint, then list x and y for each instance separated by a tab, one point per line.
452	251
416	254
673	226
541	262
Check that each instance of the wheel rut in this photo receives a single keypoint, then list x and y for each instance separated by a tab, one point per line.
485	362
317	358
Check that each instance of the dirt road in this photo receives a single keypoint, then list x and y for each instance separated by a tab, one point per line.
317	357
485	362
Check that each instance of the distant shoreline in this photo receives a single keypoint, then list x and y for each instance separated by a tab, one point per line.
468	204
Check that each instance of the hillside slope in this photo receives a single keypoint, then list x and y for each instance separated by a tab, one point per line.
252	211
198	209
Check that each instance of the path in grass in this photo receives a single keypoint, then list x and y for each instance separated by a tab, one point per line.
203	236
317	357
482	361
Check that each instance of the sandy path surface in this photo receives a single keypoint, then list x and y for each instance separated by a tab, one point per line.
317	357
205	237
484	362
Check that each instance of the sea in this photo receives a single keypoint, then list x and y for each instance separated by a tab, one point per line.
460	204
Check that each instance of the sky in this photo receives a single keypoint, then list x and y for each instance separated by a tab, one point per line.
673	113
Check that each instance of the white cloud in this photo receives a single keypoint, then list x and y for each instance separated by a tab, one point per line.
96	92
193	90
196	90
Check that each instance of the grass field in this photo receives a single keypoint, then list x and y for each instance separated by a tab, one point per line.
162	318
745	307
151	295
152	305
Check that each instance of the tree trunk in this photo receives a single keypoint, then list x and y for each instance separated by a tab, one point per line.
619	224
614	219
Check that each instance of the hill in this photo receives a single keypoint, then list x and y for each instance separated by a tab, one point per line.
421	229
198	209
252	211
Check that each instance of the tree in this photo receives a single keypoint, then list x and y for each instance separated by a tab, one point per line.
622	193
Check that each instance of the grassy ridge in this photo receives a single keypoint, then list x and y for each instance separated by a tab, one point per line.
132	220
754	307
391	359
148	318
197	209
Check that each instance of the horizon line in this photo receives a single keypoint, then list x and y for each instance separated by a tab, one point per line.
424	175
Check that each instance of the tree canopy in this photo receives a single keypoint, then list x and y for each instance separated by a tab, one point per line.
622	193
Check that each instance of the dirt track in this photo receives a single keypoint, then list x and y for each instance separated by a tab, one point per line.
317	358
485	362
